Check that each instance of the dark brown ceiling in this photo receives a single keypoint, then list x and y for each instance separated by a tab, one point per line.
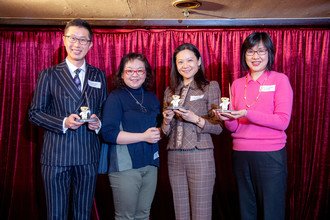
153	11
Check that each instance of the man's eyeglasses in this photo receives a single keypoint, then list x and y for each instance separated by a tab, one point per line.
131	72
73	39
251	52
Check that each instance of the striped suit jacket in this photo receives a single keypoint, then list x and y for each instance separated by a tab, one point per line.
56	97
200	102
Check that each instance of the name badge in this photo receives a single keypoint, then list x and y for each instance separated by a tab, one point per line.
94	84
268	88
156	155
196	97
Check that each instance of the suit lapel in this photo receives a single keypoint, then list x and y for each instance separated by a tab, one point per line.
90	76
66	81
87	77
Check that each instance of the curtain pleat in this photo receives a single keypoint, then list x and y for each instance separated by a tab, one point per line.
301	53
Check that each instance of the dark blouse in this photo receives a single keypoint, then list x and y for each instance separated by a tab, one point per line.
121	107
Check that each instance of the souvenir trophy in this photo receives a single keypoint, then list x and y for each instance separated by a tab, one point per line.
224	103
175	103
85	113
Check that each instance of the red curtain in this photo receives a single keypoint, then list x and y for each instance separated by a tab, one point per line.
301	53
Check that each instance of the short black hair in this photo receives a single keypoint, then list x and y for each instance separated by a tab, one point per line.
80	23
176	78
252	40
148	83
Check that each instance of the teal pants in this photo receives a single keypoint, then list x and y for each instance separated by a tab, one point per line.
133	191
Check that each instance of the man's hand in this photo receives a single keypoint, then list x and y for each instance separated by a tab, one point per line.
93	125
71	122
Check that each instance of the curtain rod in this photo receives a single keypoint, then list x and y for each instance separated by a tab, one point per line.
322	22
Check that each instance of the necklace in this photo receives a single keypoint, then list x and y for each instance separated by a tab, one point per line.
143	109
245	88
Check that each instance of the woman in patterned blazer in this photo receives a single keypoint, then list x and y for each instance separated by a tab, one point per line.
189	127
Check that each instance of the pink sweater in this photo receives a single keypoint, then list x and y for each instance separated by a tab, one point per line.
263	128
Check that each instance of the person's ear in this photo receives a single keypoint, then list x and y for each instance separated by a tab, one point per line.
199	62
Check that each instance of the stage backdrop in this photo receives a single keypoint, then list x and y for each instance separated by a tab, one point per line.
301	53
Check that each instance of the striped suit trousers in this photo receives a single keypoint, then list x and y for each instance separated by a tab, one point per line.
59	180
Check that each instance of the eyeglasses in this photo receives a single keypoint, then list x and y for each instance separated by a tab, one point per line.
130	72
81	41
251	52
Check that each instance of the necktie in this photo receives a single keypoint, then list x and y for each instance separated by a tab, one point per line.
76	79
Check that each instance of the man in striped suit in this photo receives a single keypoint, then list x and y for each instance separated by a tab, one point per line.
70	153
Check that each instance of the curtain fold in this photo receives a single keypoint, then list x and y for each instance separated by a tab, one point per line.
301	53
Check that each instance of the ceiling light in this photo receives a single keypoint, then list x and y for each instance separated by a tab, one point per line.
186	4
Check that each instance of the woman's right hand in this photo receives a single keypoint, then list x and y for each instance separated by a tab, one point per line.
168	116
152	135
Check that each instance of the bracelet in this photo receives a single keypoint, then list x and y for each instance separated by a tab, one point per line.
198	120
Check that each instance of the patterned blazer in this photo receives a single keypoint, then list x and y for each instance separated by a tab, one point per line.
199	102
56	97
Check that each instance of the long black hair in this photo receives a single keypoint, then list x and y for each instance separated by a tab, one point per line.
176	78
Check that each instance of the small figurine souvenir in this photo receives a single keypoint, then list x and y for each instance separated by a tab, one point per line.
175	101
85	112
224	105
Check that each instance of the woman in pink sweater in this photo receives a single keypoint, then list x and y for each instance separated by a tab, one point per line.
261	104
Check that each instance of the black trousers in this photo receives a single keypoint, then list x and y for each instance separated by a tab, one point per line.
261	179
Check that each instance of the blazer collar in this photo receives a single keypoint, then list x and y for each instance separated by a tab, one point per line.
90	76
65	80
261	78
191	85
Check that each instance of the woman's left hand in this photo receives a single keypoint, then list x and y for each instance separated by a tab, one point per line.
187	115
152	135
234	114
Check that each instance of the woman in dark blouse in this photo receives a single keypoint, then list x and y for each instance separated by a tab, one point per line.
129	125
